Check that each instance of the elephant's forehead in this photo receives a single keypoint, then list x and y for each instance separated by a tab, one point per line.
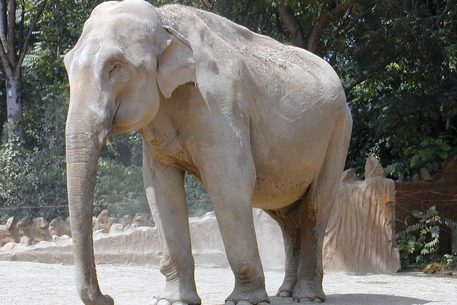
110	40
119	27
89	51
139	8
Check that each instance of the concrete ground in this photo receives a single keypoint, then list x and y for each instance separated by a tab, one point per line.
28	283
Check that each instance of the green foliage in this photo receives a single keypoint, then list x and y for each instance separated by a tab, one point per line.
420	240
119	184
197	198
31	177
405	112
429	151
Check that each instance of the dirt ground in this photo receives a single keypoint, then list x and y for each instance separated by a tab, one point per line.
27	283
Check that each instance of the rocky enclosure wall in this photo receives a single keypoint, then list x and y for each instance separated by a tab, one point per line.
140	245
359	236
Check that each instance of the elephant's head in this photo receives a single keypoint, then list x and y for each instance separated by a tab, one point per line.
124	63
123	58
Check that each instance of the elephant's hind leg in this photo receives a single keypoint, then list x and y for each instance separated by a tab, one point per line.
310	271
165	192
303	224
289	224
316	208
303	276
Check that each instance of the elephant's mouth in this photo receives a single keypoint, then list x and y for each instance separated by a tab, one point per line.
116	128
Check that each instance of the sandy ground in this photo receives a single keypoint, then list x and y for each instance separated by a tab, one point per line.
27	283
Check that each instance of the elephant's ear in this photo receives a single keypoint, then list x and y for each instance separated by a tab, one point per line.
176	64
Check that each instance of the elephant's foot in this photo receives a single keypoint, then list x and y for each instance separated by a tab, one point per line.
286	289
308	292
184	299
246	303
243	302
157	301
248	298
96	299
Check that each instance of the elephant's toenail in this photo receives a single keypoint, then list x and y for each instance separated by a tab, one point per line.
284	294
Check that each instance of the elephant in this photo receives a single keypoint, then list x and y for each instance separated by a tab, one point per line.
259	123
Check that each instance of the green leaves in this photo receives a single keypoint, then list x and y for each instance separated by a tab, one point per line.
421	239
430	152
31	177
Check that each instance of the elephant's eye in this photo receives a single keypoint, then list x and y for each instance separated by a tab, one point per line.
119	72
115	67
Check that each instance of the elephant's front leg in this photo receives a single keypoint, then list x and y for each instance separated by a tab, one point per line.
230	186
165	192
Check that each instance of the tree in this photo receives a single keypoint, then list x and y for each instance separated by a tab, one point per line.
405	110
13	47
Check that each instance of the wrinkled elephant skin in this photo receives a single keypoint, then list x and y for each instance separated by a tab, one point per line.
259	123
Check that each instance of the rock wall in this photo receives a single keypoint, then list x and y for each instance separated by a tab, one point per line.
140	245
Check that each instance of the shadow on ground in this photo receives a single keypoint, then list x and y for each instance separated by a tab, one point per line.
357	299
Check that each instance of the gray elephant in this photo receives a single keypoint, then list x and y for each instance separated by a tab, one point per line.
259	123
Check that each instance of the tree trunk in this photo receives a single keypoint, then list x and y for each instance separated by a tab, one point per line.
14	108
292	24
12	59
407	7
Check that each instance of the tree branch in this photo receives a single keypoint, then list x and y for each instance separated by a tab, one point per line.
378	68
11	32
445	11
5	61
21	26
323	21
27	38
356	80
207	5
340	9
354	22
292	24
342	21
3	27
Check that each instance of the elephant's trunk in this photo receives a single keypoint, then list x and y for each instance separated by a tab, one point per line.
83	146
